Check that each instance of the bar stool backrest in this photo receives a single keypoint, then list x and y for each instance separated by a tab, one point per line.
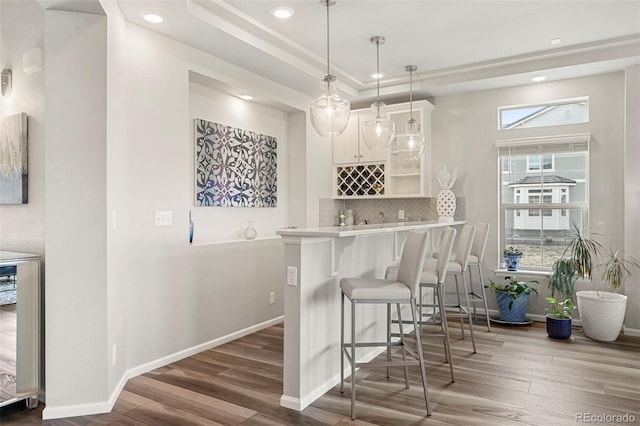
480	240
412	260
465	242
444	251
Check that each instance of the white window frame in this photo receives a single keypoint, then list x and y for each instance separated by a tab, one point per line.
541	145
552	103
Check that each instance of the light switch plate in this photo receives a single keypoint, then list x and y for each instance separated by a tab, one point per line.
163	219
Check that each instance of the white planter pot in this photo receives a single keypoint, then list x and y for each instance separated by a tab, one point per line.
602	314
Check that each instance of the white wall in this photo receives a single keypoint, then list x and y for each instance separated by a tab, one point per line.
464	135
21	29
75	216
632	191
228	223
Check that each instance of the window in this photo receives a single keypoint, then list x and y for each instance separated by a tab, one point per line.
553	113
544	192
533	162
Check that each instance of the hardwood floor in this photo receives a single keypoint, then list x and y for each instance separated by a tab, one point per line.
518	377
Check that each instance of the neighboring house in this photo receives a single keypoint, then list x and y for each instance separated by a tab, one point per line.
552	189
550	115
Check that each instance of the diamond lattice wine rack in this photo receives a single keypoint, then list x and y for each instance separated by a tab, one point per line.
360	180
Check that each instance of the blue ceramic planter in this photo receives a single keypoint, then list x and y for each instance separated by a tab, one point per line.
518	311
558	328
512	262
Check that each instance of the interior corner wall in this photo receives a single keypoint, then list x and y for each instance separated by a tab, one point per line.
465	130
632	191
21	29
75	215
182	296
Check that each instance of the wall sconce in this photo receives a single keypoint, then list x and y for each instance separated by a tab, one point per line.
5	82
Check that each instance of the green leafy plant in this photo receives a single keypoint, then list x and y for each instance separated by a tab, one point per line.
560	309
616	268
512	252
563	278
514	288
583	251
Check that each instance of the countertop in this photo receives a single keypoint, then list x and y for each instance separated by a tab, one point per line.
355	230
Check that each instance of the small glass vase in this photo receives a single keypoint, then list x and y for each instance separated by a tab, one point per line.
250	232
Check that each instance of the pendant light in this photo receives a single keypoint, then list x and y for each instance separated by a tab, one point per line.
411	140
378	132
329	112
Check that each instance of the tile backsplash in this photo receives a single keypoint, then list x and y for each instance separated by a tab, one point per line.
369	209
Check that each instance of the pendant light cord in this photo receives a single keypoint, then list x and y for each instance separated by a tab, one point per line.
378	68
411	94
327	1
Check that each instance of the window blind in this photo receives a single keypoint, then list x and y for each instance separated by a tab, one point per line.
546	145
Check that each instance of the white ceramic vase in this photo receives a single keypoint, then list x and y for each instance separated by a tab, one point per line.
601	314
446	205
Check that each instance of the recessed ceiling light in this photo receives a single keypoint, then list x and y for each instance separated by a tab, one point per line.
152	18
282	12
539	78
245	96
555	41
376	76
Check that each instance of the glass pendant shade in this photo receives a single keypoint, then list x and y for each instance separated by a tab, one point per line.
378	132
329	112
411	140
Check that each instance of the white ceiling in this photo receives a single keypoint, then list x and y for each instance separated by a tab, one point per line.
457	45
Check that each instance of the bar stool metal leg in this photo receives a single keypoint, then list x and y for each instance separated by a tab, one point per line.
421	357
468	309
353	360
404	346
342	342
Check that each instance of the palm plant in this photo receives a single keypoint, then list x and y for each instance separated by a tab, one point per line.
583	252
563	277
616	268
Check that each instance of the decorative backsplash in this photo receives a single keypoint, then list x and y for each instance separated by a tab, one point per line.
360	180
369	209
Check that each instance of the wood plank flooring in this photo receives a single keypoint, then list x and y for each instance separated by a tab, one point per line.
518	377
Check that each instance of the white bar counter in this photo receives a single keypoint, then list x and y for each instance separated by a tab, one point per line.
315	261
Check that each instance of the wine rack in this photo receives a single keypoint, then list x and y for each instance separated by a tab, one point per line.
360	180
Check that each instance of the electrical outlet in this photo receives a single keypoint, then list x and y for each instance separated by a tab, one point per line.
401	214
113	355
272	298
163	219
292	276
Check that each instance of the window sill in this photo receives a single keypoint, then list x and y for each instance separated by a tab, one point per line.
521	272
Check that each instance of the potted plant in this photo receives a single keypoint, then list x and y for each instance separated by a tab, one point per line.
559	318
512	258
512	298
563	278
602	312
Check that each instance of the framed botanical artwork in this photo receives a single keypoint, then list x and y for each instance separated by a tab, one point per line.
14	160
234	167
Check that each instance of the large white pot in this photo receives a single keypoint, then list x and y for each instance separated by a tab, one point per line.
601	313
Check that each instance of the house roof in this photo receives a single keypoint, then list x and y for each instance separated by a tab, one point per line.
546	179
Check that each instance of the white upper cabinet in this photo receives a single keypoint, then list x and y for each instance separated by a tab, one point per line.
349	147
403	175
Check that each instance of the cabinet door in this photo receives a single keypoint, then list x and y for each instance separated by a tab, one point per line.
345	145
366	154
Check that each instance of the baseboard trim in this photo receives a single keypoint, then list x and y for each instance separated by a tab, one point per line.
102	407
299	404
634	332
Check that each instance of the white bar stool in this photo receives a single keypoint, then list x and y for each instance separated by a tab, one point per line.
475	259
402	290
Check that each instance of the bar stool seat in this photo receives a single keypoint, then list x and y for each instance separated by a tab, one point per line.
401	290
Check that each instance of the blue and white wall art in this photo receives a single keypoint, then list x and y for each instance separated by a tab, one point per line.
14	160
234	167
